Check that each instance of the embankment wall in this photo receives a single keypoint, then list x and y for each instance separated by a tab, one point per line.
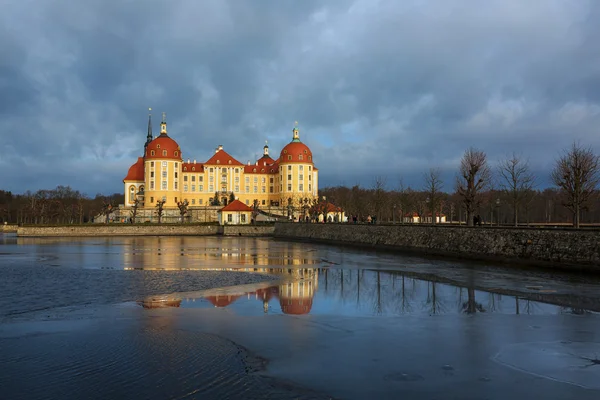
8	228
567	248
143	230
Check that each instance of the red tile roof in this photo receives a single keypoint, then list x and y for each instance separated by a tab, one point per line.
221	157
191	167
295	150
136	171
222	300
236	205
160	145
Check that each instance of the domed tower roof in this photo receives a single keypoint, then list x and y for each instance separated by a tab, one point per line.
296	151
163	147
136	171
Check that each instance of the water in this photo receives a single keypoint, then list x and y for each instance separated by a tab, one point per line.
214	317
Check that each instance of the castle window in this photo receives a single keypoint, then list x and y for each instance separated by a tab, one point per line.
264	202
300	157
201	179
237	170
284	151
164	152
193	178
185	168
164	164
301	177
301	167
309	177
301	187
305	151
151	174
247	189
255	179
164	185
185	188
309	158
151	199
176	164
289	167
201	188
289	177
247	203
264	189
272	171
164	174
289	157
193	168
229	162
175	187
151	185
176	175
218	161
309	189
254	170
175	199
210	170
152	164
193	188
131	194
152	152
193	201
158	146
176	154
237	188
289	187
271	180
271	189
309	168
262	170
200	201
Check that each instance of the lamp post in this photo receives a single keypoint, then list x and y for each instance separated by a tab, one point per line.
394	214
497	212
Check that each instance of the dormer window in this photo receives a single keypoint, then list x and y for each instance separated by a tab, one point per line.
218	161
272	171
158	146
229	161
290	157
152	152
284	151
193	168
254	170
185	168
305	151
262	170
309	158
300	157
176	153
164	153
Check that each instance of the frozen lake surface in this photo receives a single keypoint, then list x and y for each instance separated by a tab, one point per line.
215	317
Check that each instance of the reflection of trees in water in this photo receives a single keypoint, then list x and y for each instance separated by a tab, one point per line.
471	306
494	302
434	302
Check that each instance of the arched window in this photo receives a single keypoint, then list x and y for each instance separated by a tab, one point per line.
131	194
158	146
152	152
176	153
164	152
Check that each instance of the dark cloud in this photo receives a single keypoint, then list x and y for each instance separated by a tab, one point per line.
380	88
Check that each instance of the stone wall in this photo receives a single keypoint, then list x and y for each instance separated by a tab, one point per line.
8	228
248	230
576	249
143	230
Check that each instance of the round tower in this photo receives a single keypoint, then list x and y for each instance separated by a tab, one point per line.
162	167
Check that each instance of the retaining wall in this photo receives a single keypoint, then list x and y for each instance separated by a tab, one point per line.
143	230
8	228
570	248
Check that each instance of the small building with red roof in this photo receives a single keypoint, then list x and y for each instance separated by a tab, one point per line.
235	213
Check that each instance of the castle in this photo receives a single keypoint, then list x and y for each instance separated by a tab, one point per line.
285	186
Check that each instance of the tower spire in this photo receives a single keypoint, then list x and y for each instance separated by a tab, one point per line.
266	149
296	132
163	124
149	136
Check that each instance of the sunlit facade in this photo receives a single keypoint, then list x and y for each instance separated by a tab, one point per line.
163	175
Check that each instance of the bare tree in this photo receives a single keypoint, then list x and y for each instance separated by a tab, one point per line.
474	176
183	209
433	187
379	196
134	210
577	173
160	204
517	180
107	209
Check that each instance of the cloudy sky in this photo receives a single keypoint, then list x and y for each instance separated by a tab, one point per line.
380	88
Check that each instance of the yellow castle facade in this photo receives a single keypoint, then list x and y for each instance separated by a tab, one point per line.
288	182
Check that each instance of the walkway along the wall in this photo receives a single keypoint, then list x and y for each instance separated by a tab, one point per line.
565	248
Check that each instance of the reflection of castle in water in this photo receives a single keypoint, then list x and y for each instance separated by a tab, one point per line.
295	294
176	253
